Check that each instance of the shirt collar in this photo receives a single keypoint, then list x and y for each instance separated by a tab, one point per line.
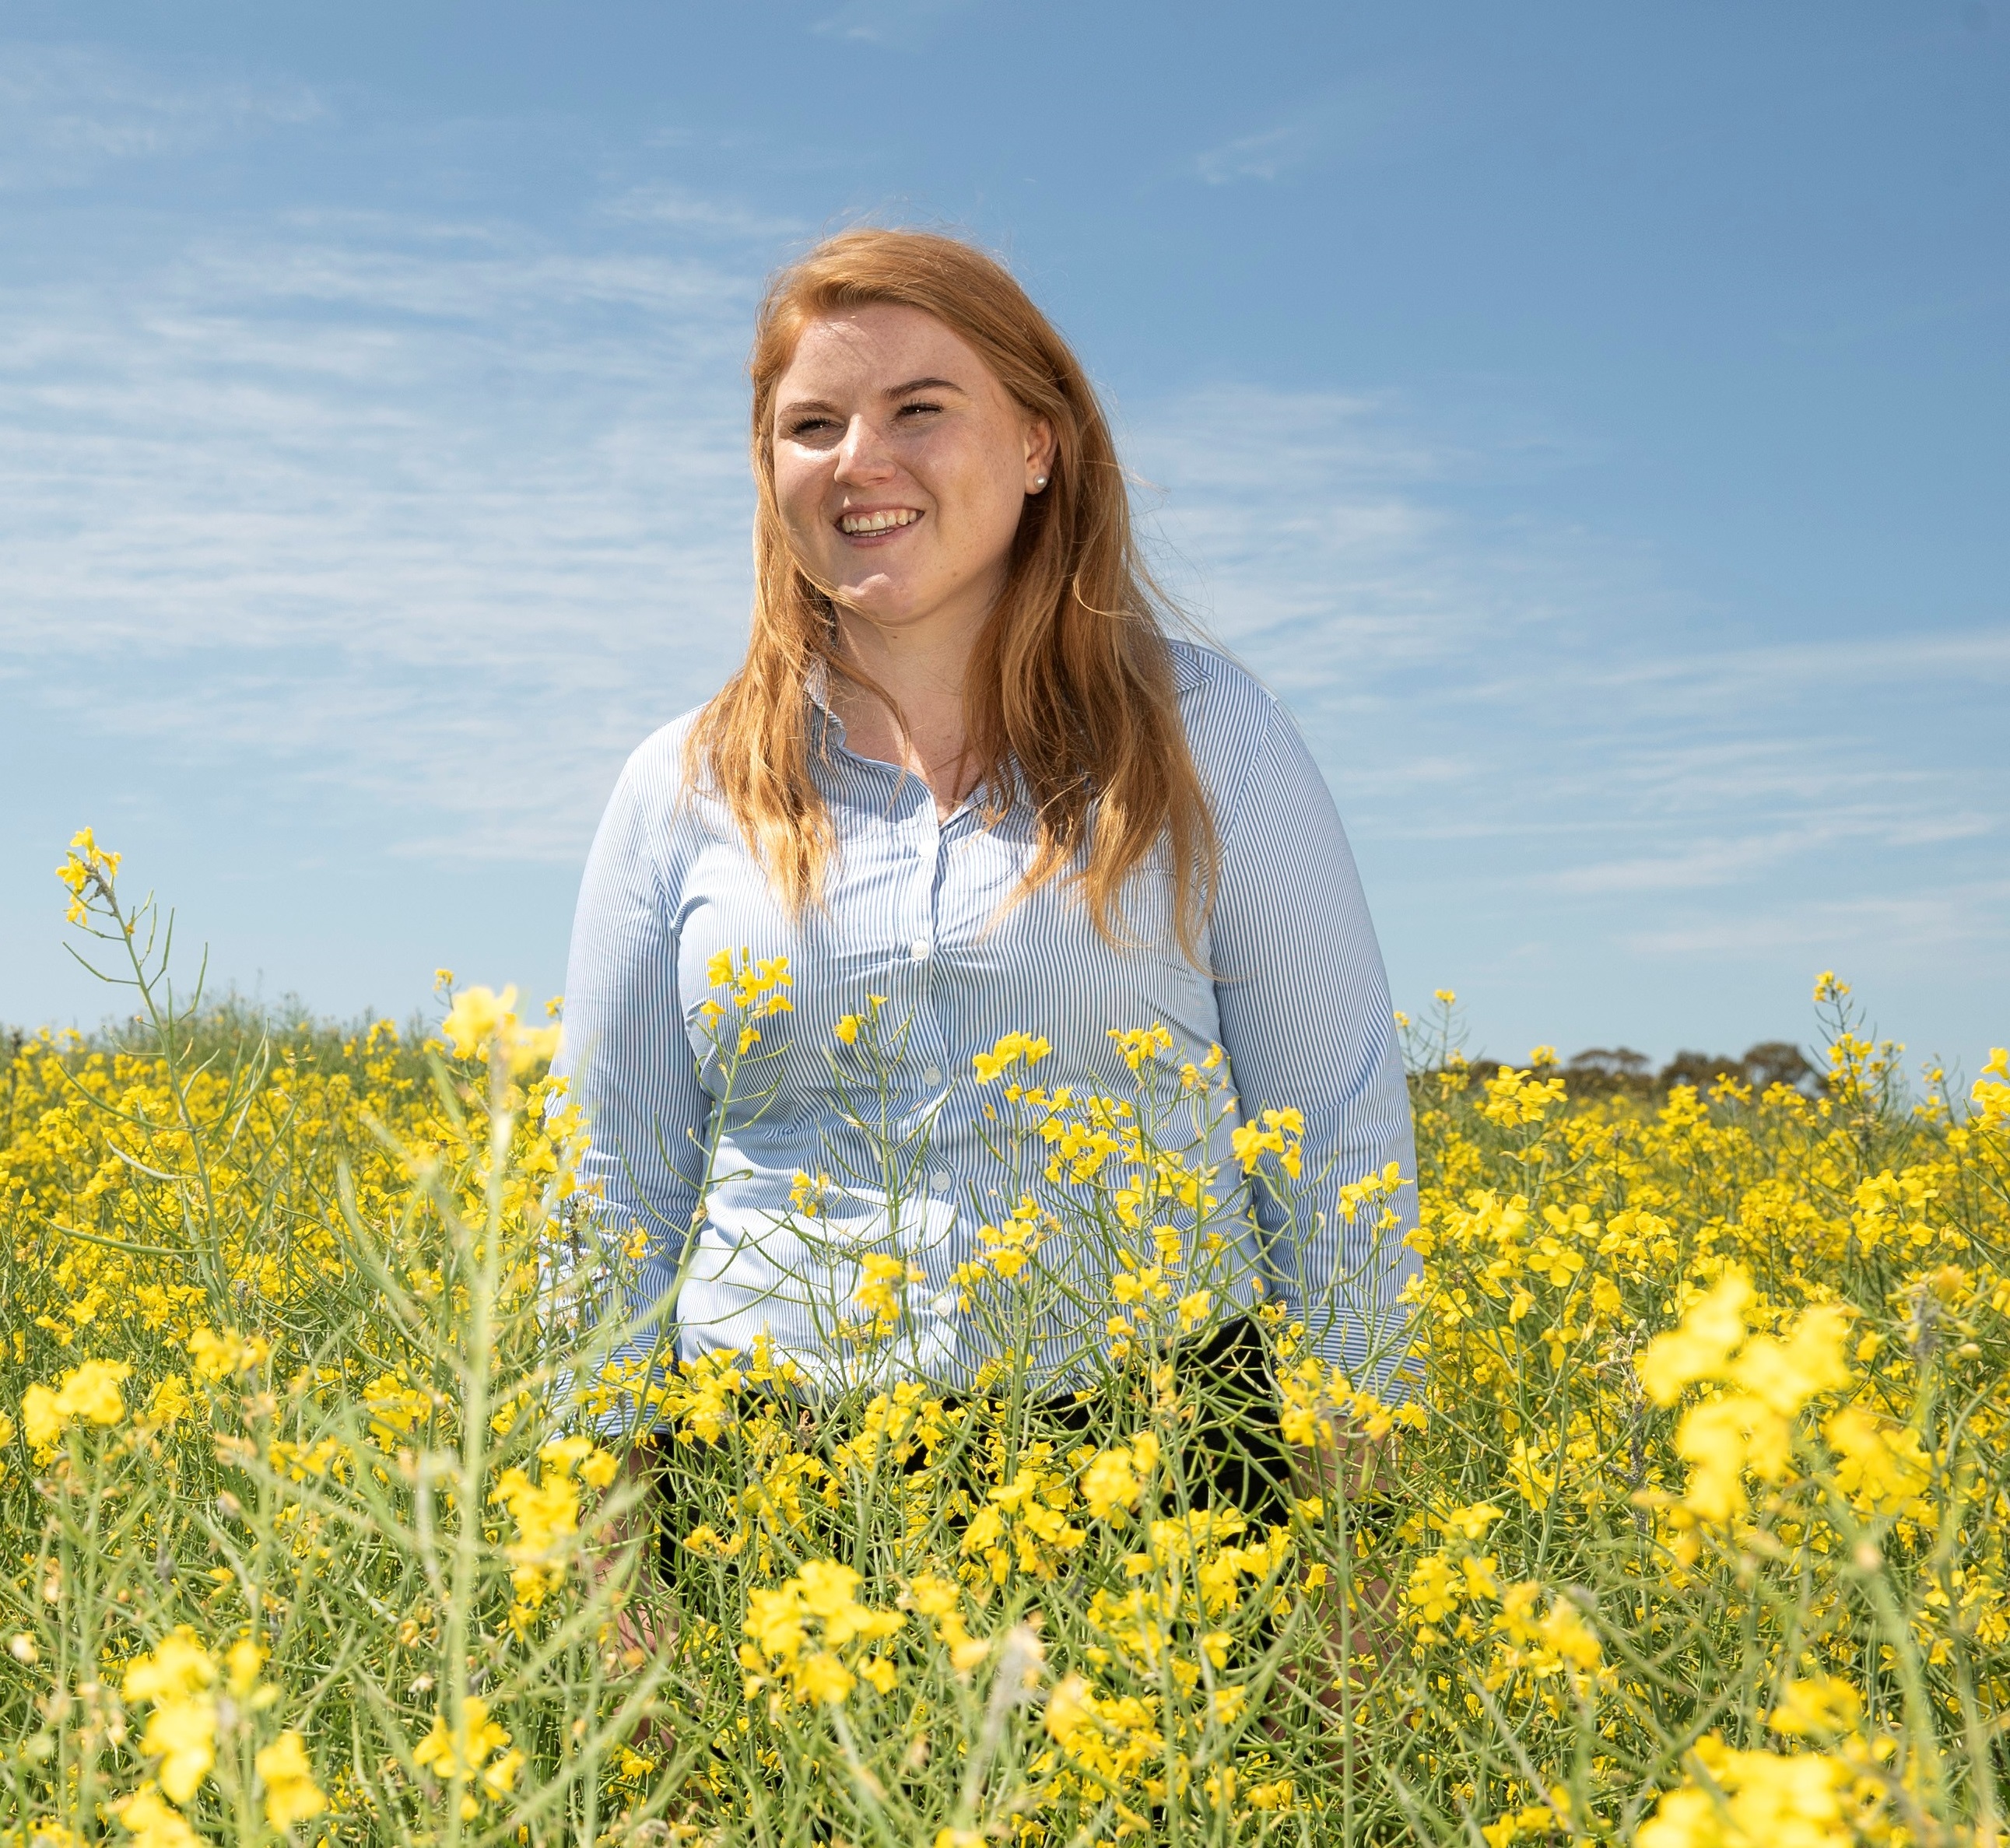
816	688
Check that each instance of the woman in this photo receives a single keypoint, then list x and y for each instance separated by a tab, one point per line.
964	770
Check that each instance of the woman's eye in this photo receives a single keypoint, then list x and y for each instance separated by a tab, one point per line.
804	426
918	407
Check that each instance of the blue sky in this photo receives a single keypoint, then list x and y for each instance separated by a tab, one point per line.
1591	419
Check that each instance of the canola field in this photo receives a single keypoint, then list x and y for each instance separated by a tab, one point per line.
320	1526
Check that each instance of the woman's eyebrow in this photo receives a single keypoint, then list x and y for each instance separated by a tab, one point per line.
798	407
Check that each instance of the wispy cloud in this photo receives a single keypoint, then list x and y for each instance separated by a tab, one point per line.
68	111
1913	928
1370	116
437	510
1320	532
898	24
686	209
1534	722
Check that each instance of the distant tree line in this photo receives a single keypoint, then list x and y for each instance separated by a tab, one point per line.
1621	1070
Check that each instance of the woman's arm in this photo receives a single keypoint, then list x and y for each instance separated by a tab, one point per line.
627	1052
1306	1022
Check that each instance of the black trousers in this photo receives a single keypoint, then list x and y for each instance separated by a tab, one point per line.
1234	1455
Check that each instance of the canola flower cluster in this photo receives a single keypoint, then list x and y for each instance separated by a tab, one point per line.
331	1518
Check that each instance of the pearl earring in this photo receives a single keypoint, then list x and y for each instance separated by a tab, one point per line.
1040	481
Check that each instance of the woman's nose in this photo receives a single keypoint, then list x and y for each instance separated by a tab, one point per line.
861	456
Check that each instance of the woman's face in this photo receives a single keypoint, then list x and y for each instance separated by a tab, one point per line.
902	466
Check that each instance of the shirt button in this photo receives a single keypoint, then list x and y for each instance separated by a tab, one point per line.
919	949
941	1180
933	1075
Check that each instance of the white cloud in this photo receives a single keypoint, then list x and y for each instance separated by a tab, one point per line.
900	25
1365	117
1316	534
1534	719
68	111
660	203
1900	929
437	511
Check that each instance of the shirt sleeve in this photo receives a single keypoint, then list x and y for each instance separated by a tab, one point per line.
626	1052
1307	1024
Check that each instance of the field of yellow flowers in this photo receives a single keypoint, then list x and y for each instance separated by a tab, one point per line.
320	1526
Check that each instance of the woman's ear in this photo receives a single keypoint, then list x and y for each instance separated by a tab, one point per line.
1040	448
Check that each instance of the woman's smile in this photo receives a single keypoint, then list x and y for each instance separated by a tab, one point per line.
876	526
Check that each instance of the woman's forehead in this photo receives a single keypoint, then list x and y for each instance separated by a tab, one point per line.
879	346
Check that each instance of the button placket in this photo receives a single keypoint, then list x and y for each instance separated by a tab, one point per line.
930	1049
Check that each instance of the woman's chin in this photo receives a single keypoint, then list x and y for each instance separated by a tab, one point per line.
883	601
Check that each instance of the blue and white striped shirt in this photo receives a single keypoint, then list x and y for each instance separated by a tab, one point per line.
915	910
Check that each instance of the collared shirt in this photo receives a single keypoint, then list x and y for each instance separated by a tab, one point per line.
921	912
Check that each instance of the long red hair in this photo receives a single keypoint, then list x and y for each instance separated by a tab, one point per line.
1071	695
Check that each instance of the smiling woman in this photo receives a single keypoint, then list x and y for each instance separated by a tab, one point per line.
965	790
987	608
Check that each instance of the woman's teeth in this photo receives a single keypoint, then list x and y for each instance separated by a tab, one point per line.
877	522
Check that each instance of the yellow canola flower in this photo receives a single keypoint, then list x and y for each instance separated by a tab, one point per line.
1698	1349
88	864
90	1392
883	1281
1137	1044
242	1661
1068	1710
482	1024
828	1593
1113	1480
168	1403
1882	1465
1752	1428
547	1517
215	1357
1785	1375
466	1754
1468	1522
1765	1801
152	1823
291	1794
177	1677
1277	1133
1990	1095
823	1678
182	1734
1822	1707
178	1667
938	1600
1014	1049
779	1621
1515	1099
756	985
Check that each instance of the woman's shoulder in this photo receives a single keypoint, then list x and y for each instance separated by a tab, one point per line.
1228	710
660	757
654	785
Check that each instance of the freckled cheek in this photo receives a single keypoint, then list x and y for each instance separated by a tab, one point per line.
801	499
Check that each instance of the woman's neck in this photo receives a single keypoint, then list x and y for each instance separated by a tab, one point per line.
922	668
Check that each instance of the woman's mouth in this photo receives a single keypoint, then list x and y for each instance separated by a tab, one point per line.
884	519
